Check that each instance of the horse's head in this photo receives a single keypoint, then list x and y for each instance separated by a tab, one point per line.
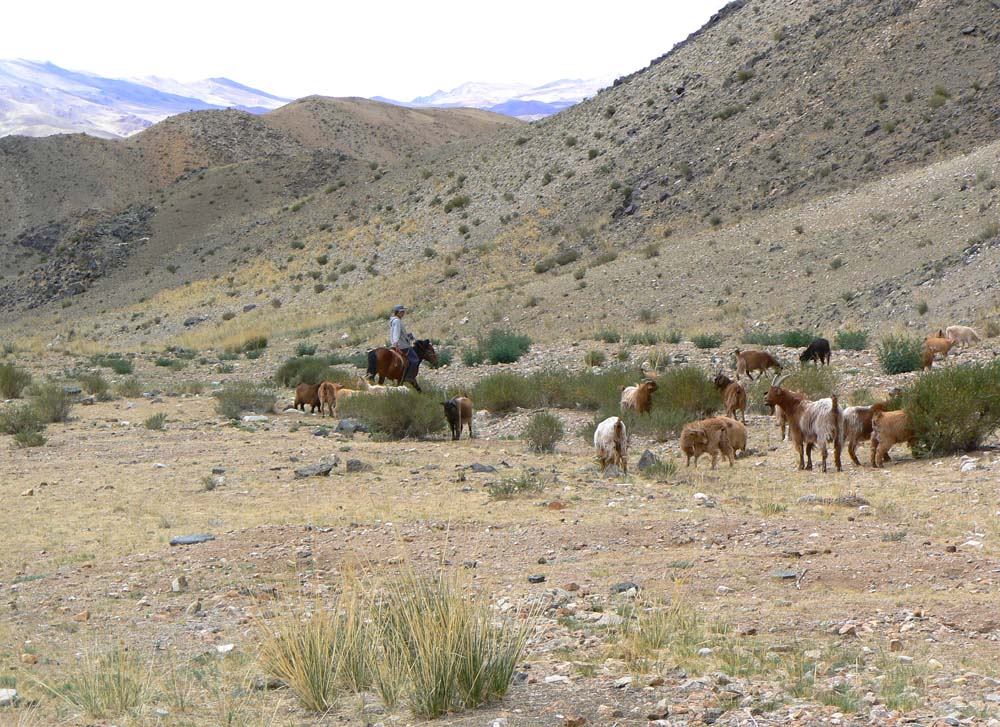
425	350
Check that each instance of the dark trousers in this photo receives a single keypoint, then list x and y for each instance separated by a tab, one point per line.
412	362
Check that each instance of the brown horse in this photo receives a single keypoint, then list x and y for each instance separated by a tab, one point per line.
387	364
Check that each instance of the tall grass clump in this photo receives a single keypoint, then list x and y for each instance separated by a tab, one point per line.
851	340
399	414
238	397
898	354
707	340
156	421
20	419
954	409
608	336
129	388
504	392
543	432
95	385
51	402
500	346
248	345
13	381
105	685
509	487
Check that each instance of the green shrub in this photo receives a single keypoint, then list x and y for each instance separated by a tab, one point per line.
312	370
797	338
501	346
761	338
156	421
13	381
165	362
305	349
254	343
661	470
399	414
29	439
51	402
594	358
642	338
504	392
954	409
851	340
473	357
114	361
20	418
444	357
457	203
816	382
509	487
129	388
96	385
899	354
707	340
543	432
673	337
238	397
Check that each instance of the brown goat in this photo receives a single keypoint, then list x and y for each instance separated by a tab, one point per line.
941	345
458	412
327	398
706	436
857	428
889	428
638	396
341	393
734	396
307	394
749	361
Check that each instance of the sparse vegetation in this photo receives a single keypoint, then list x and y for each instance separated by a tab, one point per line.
594	358
898	354
239	397
851	340
508	487
156	421
399	415
707	340
13	381
543	432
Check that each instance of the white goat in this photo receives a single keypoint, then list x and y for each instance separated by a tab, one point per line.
611	443
962	335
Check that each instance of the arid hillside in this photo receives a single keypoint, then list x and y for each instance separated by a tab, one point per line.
811	164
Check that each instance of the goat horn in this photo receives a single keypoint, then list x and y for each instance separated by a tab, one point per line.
777	381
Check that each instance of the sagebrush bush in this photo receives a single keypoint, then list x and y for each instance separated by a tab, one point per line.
13	381
129	388
954	409
305	349
312	370
29	439
20	418
399	414
359	360
898	354
156	421
707	340
105	685
543	432
508	487
501	346
114	361
851	340
594	358
96	385
51	402
472	357
816	382
238	397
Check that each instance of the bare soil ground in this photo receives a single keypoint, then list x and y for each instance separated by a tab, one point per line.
890	597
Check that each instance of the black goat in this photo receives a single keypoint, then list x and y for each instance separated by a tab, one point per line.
818	351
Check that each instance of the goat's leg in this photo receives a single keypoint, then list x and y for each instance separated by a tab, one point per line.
809	455
715	458
874	449
823	450
802	461
837	450
852	450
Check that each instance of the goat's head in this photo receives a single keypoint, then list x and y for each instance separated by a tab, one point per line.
722	381
649	385
775	394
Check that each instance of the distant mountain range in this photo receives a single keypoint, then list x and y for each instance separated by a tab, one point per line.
39	99
511	99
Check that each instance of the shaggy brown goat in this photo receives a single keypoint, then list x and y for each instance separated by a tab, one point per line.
889	428
857	428
810	423
327	398
734	396
749	361
307	394
638	396
706	436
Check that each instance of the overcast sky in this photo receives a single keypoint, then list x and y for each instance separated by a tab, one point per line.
394	48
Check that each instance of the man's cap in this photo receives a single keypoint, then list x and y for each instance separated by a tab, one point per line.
399	308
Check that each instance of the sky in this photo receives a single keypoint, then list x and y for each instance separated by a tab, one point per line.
392	48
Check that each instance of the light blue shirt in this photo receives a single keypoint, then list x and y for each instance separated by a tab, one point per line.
397	333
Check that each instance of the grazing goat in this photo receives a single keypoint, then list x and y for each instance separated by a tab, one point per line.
611	443
458	412
736	432
365	385
734	396
307	394
857	427
706	436
927	358
780	413
341	393
638	396
818	351
936	344
961	335
889	428
749	361
327	397
810	423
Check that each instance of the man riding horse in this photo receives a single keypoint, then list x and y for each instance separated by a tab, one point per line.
402	358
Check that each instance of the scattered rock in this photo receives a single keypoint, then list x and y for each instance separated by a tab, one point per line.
895	645
624	682
82	616
8	697
254	418
320	469
477	467
350	426
29	659
787	575
969	30
179	584
574	720
704	651
536	578
194	321
610	618
723	590
624	587
356	465
191	539
647	460
224	648
30	492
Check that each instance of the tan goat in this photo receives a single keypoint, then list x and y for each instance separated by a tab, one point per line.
889	428
734	396
749	361
638	397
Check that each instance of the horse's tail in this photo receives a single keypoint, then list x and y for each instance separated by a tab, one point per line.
372	364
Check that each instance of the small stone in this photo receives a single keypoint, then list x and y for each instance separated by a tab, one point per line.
350	426
179	584
624	587
218	471
623	682
647	460
536	578
30	492
29	659
969	30
82	616
193	608
225	648
254	418
723	590
950	549
556	679
905	659
895	645
8	697
574	720
788	575
704	651
848	630
191	539
320	469
477	467
556	506
610	619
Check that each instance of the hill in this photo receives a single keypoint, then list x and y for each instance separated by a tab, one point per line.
813	164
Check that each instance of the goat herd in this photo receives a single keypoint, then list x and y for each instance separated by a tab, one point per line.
810	424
